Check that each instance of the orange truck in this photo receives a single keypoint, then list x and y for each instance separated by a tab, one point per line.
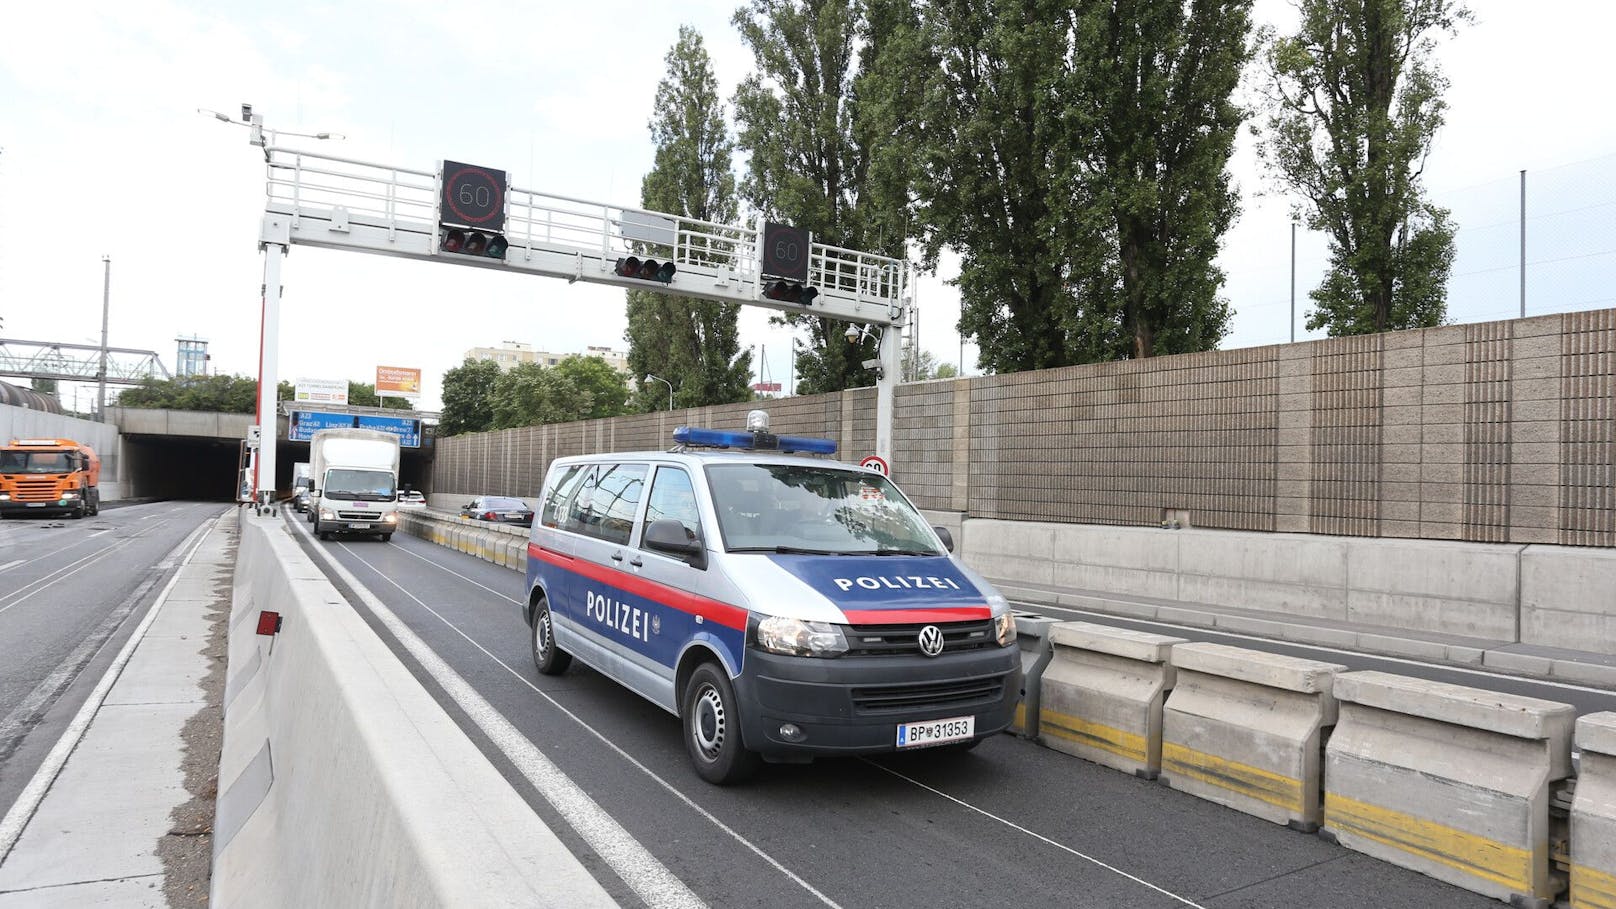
47	476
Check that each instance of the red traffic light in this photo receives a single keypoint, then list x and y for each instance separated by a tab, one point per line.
791	292
645	270
473	243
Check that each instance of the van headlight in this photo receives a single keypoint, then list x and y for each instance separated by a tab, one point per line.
1004	624
794	637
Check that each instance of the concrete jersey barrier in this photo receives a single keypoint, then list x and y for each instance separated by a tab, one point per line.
1451	781
1103	695
1246	729
1032	637
1593	815
343	783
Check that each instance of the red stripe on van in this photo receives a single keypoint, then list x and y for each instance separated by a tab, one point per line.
682	600
912	616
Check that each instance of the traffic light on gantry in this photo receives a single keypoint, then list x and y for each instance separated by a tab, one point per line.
645	269
471	211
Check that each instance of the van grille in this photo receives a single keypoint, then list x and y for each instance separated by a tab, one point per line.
885	640
950	694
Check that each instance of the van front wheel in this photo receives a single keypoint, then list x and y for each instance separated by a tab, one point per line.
547	657
712	727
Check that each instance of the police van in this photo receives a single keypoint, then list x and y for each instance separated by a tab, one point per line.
782	604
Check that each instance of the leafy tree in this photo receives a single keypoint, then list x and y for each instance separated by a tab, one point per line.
43	386
606	387
1074	153
806	165
211	394
946	371
529	395
695	345
468	397
363	394
1356	98
1151	94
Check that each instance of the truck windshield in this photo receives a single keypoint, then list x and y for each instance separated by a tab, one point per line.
35	462
357	484
814	509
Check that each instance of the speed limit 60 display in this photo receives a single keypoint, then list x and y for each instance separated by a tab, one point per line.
472	196
785	252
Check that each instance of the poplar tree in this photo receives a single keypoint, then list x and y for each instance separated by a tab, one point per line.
694	344
1356	99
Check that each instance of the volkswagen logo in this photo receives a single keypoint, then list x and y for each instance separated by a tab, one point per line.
931	640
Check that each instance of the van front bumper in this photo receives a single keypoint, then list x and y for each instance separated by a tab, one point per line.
854	705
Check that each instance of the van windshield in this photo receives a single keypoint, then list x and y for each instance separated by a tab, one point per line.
814	509
359	485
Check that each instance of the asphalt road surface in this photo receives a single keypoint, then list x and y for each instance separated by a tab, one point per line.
71	591
1008	824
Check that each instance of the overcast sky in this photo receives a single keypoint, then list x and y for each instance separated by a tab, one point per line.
102	153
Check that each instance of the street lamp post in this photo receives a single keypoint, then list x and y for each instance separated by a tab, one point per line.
650	378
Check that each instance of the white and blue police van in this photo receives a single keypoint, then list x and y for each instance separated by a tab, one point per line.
782	604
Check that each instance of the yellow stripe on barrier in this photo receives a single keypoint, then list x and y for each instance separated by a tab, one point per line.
1242	779
1084	732
1020	722
1475	855
1592	889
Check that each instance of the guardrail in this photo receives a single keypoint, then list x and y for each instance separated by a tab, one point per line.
343	781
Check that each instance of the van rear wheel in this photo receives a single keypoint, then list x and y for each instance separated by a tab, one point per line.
712	727
547	657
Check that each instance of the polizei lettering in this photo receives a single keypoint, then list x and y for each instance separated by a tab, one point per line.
615	614
897	582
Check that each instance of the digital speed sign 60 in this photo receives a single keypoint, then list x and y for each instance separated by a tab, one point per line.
785	251
472	197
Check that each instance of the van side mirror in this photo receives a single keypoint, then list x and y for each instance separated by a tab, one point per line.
945	536
670	536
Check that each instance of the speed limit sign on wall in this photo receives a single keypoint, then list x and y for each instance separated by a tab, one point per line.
877	464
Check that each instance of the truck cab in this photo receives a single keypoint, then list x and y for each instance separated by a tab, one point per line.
354	473
49	476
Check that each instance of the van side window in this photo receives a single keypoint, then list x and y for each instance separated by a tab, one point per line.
672	496
556	498
618	488
606	502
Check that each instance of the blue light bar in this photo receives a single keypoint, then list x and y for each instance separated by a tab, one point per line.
810	445
712	438
736	438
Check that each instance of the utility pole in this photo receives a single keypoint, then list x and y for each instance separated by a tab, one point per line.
1523	243
101	374
1293	282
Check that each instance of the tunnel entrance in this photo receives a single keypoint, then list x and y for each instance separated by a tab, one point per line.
205	469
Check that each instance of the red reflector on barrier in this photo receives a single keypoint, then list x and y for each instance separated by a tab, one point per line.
269	622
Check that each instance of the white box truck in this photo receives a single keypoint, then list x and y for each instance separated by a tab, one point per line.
355	477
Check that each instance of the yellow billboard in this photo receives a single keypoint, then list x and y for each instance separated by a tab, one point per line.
398	382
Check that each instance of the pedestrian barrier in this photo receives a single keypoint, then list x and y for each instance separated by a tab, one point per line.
343	781
1593	815
1032	636
1246	729
1102	695
1453	782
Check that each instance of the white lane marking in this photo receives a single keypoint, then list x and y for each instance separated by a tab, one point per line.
1447	667
10	565
22	810
41	584
632	862
1037	836
671	789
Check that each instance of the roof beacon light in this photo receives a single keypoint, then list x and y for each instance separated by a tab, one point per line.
757	421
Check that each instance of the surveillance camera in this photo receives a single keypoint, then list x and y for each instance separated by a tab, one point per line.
852	334
246	112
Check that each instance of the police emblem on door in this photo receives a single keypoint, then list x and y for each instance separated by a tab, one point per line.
931	640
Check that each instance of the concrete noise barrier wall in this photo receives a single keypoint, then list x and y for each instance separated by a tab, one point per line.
1102	695
1593	815
1453	782
1246	729
343	783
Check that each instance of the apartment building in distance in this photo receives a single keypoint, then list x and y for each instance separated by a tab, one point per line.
510	353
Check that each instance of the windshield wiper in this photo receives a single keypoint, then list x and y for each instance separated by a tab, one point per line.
904	552
792	550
